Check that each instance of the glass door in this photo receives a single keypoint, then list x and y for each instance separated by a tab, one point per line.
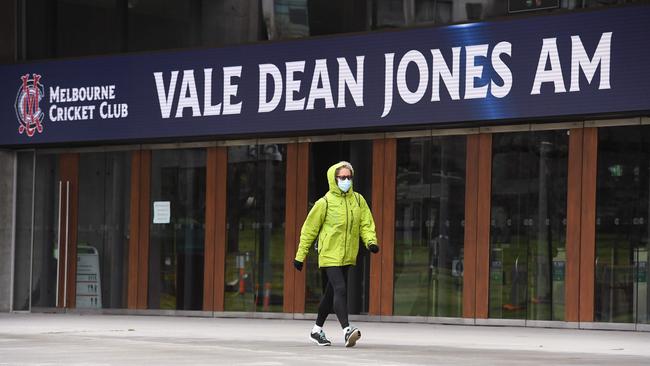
322	155
255	227
80	230
621	225
528	225
102	230
54	212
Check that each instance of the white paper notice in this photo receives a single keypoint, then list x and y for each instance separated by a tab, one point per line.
161	212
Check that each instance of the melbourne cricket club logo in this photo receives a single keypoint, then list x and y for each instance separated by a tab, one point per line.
28	108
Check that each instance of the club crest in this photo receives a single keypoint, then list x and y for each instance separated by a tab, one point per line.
28	108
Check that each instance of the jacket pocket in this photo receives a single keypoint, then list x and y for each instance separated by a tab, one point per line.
322	240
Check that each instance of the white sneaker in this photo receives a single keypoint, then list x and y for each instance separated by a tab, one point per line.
352	336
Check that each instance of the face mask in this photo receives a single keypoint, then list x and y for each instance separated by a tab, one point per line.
344	185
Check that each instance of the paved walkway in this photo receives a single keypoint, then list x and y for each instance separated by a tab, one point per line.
71	339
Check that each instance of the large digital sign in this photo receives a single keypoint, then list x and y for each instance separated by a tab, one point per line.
572	64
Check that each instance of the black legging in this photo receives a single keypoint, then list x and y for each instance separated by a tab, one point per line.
335	295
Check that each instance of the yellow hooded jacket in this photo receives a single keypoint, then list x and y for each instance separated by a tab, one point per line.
348	217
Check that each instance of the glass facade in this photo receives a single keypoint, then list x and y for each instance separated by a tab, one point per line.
45	255
622	209
528	188
429	226
527	220
177	229
528	225
103	230
23	243
322	155
68	28
255	225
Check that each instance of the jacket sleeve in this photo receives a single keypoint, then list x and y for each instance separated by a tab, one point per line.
368	233
310	229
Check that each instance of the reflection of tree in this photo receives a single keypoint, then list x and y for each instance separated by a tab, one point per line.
430	208
528	204
255	209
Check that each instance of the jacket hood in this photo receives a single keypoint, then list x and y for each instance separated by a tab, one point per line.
331	178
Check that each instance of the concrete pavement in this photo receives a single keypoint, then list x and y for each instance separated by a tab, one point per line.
72	339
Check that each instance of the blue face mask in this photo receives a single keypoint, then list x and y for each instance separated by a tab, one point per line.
344	184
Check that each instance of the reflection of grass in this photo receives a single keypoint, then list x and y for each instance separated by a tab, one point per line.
525	302
418	292
615	274
167	301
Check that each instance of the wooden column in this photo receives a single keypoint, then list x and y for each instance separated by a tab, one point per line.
574	210
483	226
215	229
290	237
144	209
382	264
470	239
215	256
588	224
302	181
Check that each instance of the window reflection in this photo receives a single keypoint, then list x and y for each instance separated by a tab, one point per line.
76	28
102	233
429	227
528	225
177	230
24	214
256	219
46	215
622	208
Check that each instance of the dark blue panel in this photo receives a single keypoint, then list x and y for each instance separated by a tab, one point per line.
134	83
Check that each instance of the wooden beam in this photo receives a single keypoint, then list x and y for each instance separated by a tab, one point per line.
483	226
388	226
574	210
588	224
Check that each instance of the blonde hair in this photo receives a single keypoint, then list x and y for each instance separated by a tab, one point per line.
346	165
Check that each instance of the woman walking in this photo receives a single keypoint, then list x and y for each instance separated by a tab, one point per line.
337	220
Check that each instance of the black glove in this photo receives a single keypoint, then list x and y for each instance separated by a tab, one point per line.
373	248
297	264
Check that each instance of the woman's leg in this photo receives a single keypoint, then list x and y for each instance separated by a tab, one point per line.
337	278
326	302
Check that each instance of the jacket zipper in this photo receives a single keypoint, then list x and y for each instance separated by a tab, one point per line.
346	230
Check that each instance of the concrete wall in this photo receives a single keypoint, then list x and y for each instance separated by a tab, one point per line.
7	170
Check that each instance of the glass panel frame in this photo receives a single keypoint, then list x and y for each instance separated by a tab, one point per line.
429	232
322	155
255	213
104	192
177	230
528	225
